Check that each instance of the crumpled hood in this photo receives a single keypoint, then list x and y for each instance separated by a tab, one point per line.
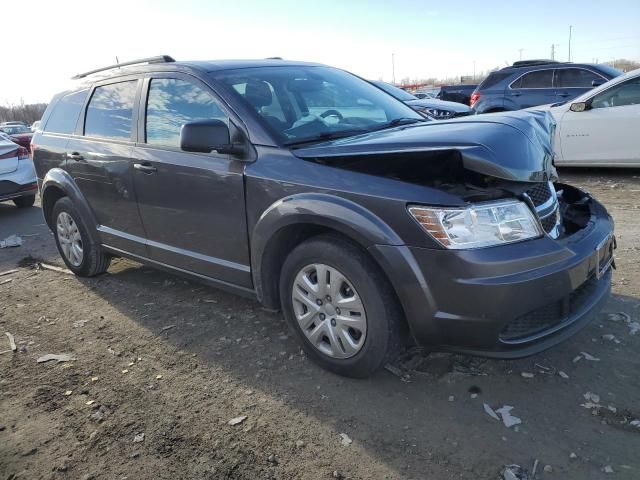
439	104
513	146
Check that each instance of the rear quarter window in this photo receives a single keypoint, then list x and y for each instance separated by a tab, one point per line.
494	79
65	113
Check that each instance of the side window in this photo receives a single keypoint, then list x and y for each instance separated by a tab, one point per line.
539	79
65	113
626	93
576	78
171	103
110	111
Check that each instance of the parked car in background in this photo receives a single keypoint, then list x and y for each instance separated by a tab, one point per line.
17	175
421	95
6	124
35	125
432	107
20	134
315	192
529	83
601	128
457	93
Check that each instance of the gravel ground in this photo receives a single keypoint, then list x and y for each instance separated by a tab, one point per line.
160	366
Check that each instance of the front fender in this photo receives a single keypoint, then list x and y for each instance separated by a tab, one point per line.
320	210
58	180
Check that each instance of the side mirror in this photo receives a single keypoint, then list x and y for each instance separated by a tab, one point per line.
579	107
205	136
597	83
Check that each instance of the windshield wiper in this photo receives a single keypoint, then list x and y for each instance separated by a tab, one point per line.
399	121
327	136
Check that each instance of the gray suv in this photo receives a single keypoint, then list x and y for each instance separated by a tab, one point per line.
315	192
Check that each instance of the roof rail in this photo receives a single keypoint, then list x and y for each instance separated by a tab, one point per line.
526	63
158	59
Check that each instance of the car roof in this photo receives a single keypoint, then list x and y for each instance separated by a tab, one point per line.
541	65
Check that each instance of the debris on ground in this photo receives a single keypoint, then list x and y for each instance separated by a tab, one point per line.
11	241
53	268
610	337
490	411
589	396
527	375
607	469
237	420
586	356
68	392
508	419
12	342
573	456
544	369
168	327
299	443
345	440
139	438
9	272
634	327
405	377
8	280
100	414
515	472
58	357
548	469
562	374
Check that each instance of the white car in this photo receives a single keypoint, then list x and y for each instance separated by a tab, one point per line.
601	128
17	176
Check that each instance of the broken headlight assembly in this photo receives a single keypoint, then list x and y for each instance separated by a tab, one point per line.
479	225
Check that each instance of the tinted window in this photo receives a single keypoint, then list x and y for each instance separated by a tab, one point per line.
626	93
539	79
493	79
65	114
110	111
172	103
576	78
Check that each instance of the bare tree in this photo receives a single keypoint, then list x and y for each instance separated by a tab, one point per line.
27	113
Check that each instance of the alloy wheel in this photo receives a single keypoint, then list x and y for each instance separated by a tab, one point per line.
69	238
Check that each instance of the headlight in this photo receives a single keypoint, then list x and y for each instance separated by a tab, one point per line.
480	225
437	113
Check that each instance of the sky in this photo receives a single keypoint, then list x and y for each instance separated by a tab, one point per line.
47	42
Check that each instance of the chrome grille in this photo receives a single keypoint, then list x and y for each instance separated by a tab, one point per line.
546	203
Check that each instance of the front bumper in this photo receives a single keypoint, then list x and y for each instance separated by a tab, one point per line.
508	301
21	182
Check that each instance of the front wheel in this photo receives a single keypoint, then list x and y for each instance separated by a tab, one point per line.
340	306
24	202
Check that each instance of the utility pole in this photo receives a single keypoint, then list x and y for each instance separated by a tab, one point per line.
520	50
553	50
393	67
570	29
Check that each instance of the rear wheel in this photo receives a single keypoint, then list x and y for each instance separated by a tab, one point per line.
340	306
78	250
24	202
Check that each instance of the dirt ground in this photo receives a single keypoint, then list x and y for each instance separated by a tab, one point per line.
176	361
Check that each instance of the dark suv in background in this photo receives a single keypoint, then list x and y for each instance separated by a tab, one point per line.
317	193
529	83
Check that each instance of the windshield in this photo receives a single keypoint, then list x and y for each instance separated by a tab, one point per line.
395	91
15	129
302	104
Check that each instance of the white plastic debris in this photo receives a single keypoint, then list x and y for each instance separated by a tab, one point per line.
527	375
345	440
562	374
490	411
595	398
12	342
139	438
589	357
634	327
514	472
619	316
508	419
237	420
607	469
58	357
635	423
11	241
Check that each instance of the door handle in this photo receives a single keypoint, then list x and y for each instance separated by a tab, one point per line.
145	167
516	94
563	94
75	156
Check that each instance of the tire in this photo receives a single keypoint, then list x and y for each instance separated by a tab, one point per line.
24	202
361	280
93	260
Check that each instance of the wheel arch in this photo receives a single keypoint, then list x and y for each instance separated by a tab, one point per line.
290	221
56	184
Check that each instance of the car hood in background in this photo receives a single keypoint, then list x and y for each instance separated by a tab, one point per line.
513	146
439	104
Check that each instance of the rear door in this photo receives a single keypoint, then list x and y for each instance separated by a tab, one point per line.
573	81
607	133
192	204
532	89
100	161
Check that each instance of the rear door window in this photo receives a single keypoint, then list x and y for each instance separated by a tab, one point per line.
173	102
576	78
65	113
537	79
110	111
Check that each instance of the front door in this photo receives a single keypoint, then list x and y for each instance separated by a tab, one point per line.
532	89
192	205
606	133
100	160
